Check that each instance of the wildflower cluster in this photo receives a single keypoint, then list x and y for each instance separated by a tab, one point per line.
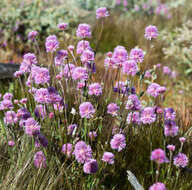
66	107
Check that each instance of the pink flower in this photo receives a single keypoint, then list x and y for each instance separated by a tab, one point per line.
171	147
120	55
130	67
118	142
86	110
83	31
182	139
87	56
158	155
158	186
137	55
39	160
11	143
10	118
151	32
82	152
51	43
108	157
102	13
90	166
67	149
82	46
79	73
95	89
63	26
32	35
112	109
181	160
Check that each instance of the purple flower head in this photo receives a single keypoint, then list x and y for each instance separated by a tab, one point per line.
40	75
112	109
151	32
95	89
63	26
170	128
30	59
86	110
120	55
7	96
108	157
130	67
181	160
83	31
118	142
40	111
80	73
137	55
159	156
169	114
134	118
53	96
17	74
82	152
110	62
182	139
171	147
80	85
82	46
67	149
32	35
87	56
10	118
166	70
102	12
42	139
37	144
158	186
71	48
31	127
133	103
71	128
11	143
23	114
155	89
51	43
92	134
60	57
24	68
42	96
39	160
148	115
23	101
90	166
6	104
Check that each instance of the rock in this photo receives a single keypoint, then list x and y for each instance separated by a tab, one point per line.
7	70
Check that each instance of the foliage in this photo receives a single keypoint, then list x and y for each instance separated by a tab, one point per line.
179	46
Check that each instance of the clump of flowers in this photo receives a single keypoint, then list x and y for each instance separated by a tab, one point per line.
80	120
